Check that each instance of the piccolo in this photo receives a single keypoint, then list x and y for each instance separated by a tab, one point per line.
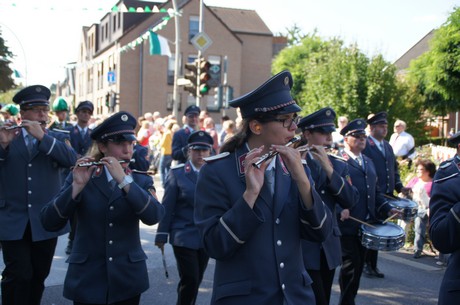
20	126
13	127
97	163
271	154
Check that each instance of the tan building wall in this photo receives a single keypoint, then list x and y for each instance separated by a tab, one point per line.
249	63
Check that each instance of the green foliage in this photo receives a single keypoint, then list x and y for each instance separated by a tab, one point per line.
6	80
327	73
437	72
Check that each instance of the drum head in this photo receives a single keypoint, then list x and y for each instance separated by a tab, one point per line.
384	230
385	237
402	203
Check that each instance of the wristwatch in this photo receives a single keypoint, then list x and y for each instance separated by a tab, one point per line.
126	180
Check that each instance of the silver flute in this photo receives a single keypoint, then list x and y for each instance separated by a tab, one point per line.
88	164
20	126
271	154
13	127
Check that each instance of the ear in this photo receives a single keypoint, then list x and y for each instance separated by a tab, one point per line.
255	127
102	147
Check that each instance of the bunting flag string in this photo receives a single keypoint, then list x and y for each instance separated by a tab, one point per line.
130	45
121	8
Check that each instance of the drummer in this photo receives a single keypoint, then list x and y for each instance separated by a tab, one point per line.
370	206
333	183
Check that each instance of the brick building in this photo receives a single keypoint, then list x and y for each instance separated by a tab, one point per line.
108	71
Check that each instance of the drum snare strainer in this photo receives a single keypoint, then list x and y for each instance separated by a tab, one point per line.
384	237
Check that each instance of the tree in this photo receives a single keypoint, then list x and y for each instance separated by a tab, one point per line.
326	73
6	80
436	73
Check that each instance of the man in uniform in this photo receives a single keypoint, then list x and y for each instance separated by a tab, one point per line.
445	222
27	156
371	205
381	153
80	134
333	184
180	137
60	109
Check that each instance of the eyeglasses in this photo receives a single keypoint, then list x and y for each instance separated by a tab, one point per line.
37	109
287	122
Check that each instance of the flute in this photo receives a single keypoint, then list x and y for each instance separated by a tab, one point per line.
97	163
13	127
271	154
20	126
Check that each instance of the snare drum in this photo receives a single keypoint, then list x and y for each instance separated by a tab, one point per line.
408	207
384	237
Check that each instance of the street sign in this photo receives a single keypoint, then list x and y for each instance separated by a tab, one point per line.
183	82
111	77
201	41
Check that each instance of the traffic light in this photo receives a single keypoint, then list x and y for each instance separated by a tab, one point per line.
191	68
219	96
107	99
204	78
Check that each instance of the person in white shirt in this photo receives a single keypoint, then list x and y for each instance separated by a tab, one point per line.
402	142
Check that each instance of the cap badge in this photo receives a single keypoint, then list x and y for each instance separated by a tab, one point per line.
328	112
124	117
201	134
286	81
359	122
38	89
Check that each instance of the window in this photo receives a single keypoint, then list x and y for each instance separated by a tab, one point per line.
114	27
169	102
193	27
171	66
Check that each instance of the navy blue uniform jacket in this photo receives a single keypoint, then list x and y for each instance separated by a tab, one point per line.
336	191
179	202
257	251
179	143
445	226
372	205
386	166
29	182
107	263
80	144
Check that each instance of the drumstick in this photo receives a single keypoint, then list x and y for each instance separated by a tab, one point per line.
388	196
392	216
362	222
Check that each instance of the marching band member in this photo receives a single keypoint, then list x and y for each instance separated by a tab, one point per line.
179	202
332	182
107	263
382	155
370	206
445	222
252	225
27	155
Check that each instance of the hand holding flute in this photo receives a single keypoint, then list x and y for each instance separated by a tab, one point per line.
271	154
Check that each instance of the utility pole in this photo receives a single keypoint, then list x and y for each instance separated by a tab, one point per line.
176	63
198	72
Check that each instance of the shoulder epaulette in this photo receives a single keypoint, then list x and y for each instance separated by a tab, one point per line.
178	166
150	173
338	158
216	157
61	130
445	178
446	164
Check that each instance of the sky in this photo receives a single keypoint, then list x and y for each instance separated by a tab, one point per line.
45	35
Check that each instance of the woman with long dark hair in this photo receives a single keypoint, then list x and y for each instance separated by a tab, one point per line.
252	216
